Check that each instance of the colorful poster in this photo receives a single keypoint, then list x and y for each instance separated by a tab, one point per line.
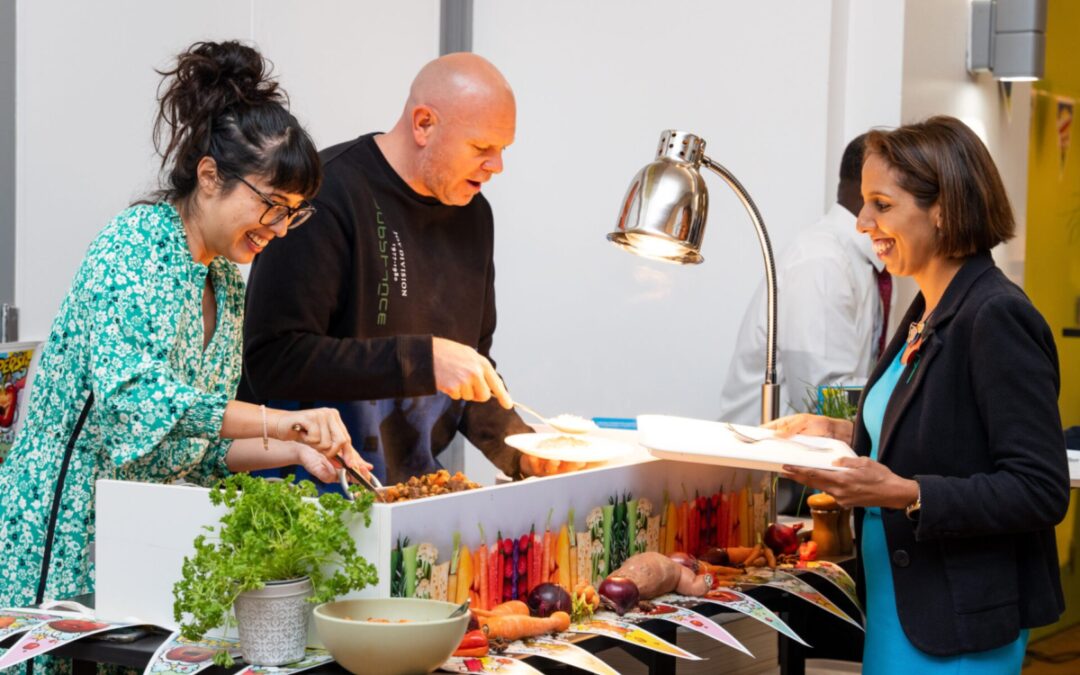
563	652
739	602
47	636
688	618
177	656
504	665
14	368
837	577
1064	128
805	591
13	621
312	658
628	632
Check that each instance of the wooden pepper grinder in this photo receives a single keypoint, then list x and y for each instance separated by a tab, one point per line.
832	525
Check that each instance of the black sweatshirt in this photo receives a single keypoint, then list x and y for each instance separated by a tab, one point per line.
341	312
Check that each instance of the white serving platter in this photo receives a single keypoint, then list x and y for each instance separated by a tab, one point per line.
595	449
705	442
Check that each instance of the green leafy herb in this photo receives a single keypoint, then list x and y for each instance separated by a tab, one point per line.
270	531
834	402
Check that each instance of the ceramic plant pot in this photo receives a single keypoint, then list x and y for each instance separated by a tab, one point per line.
273	622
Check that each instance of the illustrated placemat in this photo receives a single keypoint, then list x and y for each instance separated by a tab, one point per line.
563	652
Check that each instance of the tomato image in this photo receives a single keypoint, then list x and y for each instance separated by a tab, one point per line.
663	609
722	596
190	654
76	625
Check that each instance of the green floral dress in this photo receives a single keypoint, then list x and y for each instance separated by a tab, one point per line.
131	333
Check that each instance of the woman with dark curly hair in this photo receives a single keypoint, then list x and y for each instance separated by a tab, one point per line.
962	472
138	375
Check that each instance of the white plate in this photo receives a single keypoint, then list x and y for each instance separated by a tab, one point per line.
599	449
690	440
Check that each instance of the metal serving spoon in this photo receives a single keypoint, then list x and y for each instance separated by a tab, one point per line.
565	425
461	609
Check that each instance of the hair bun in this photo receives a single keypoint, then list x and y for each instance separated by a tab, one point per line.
212	77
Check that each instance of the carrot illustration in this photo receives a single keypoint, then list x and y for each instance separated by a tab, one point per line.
482	571
545	561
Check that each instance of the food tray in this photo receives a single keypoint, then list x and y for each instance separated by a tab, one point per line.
684	439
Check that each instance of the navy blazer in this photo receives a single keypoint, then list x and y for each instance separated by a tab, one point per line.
974	419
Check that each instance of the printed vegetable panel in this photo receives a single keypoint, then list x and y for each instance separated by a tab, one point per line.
47	636
312	658
14	621
628	632
563	652
503	665
836	576
688	618
177	656
739	602
805	591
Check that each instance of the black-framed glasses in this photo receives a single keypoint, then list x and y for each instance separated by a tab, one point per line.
276	212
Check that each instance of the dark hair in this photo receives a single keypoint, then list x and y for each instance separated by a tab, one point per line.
941	161
852	159
220	101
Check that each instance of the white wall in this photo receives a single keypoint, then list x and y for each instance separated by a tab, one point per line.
865	70
584	327
776	87
347	65
86	100
936	81
7	150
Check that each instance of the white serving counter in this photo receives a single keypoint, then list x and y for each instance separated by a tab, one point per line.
144	530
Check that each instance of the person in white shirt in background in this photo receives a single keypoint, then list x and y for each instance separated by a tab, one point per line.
830	314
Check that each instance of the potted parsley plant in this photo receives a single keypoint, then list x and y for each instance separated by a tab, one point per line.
268	557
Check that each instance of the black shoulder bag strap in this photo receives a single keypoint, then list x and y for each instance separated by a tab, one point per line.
58	497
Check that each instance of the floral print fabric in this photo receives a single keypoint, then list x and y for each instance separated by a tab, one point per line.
130	331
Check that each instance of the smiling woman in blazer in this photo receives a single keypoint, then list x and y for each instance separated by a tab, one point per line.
961	473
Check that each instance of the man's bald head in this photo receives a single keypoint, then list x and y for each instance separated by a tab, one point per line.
459	83
459	118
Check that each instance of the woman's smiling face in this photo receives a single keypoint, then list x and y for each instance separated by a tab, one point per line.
239	235
904	234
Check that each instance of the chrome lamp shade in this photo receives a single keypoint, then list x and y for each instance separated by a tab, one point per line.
664	211
663	217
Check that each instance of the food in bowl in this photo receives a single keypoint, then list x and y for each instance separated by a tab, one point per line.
412	635
429	485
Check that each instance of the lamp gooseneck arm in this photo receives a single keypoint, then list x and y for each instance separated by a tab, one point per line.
770	391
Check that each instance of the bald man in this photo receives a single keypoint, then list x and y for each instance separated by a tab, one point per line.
383	304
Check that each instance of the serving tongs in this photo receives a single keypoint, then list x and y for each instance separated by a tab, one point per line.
346	472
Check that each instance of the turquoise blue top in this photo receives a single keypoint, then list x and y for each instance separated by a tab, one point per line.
887	649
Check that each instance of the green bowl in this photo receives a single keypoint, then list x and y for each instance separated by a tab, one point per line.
420	645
